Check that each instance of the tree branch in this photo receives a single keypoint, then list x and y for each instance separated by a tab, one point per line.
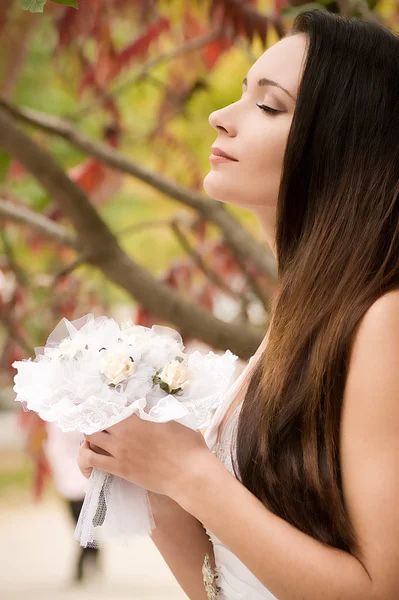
236	236
183	220
202	266
41	224
10	257
97	242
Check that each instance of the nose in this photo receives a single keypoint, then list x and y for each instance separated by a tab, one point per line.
221	121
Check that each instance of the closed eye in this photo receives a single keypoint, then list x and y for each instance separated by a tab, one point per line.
268	109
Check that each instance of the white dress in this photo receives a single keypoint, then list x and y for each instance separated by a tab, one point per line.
235	580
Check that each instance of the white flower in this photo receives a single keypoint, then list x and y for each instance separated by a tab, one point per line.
175	375
68	347
116	366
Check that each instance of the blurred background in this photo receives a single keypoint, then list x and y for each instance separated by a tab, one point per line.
104	143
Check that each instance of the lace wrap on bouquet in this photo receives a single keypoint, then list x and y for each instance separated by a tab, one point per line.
93	374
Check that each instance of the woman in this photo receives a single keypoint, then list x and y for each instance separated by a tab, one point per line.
313	510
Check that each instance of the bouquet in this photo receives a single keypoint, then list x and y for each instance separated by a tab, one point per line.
93	373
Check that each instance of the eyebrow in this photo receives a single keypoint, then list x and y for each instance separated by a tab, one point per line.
265	81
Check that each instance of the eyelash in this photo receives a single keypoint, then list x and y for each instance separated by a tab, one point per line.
267	109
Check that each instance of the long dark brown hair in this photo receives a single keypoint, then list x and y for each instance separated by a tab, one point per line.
337	245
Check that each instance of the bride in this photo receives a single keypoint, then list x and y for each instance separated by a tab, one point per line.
293	493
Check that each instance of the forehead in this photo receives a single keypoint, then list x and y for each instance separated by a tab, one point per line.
282	62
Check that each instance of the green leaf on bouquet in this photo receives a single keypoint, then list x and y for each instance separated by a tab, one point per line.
71	3
179	358
164	386
34	6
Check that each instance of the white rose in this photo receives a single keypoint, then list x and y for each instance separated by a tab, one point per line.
116	366
175	375
68	347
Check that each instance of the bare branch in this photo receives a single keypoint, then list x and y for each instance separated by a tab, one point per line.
149	223
188	222
197	259
256	288
236	236
98	243
41	224
68	269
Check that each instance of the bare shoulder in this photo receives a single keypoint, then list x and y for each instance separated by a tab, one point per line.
369	440
373	373
380	317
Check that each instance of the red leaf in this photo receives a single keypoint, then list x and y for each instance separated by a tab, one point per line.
200	227
223	258
144	317
205	297
213	51
88	175
73	24
16	170
98	181
278	6
139	48
193	28
239	17
110	63
4	8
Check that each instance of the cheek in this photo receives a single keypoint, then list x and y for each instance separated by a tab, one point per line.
255	179
262	167
265	149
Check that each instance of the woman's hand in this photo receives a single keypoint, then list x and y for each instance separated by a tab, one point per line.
84	457
160	457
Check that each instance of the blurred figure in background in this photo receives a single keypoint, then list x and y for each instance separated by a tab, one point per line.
55	454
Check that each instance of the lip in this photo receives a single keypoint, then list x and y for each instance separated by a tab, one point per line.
219	155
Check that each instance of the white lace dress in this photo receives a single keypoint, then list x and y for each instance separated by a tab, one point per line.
234	579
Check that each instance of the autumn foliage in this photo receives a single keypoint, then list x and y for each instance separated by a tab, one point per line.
138	76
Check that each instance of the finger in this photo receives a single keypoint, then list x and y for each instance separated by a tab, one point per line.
103	463
102	442
98	450
83	462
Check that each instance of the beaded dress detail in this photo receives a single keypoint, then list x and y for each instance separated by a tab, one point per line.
231	579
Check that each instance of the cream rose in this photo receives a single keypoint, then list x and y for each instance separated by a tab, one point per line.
68	347
116	366
175	375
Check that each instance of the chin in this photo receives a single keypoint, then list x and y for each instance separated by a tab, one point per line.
216	186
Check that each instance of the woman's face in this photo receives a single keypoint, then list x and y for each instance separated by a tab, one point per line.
253	137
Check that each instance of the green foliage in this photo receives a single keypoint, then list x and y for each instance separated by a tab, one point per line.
37	6
33	6
65	66
71	3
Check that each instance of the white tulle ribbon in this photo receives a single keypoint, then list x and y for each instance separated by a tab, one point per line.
92	374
